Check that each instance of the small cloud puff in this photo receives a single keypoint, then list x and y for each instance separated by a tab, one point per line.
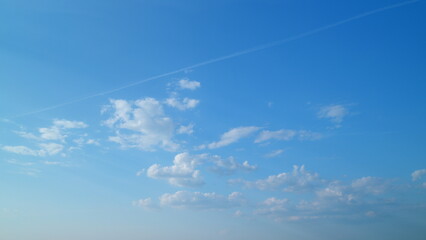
187	84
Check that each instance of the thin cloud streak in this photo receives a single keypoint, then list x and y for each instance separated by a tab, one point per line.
233	55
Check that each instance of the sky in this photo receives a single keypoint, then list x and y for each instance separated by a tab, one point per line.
226	119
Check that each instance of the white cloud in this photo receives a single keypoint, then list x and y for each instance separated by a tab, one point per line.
232	136
229	166
187	84
299	180
50	149
66	124
46	149
282	134
182	173
146	203
370	185
52	133
55	132
146	119
273	207
22	150
274	153
184	104
189	129
198	200
335	113
287	135
418	174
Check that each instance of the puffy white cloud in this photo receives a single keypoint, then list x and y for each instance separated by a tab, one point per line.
184	104
145	118
52	133
232	136
198	200
182	173
189	129
335	113
229	165
55	132
187	84
298	180
287	135
418	174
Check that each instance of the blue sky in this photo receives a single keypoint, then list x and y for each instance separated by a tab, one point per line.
212	119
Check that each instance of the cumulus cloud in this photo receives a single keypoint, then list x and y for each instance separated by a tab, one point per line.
199	200
229	165
418	174
56	131
150	128
187	84
334	113
184	104
287	135
188	129
232	136
182	173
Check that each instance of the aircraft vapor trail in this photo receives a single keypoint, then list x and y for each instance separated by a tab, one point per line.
233	55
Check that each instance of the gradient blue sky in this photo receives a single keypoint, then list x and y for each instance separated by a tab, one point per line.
212	119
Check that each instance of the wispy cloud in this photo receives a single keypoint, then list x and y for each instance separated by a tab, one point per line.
274	153
233	136
287	135
335	113
229	165
229	56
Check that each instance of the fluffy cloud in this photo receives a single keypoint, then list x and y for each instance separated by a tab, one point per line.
189	129
55	132
145	119
187	84
335	113
184	104
286	135
229	166
418	174
198	200
182	173
299	180
232	136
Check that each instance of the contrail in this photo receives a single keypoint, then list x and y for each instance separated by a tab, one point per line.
233	55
